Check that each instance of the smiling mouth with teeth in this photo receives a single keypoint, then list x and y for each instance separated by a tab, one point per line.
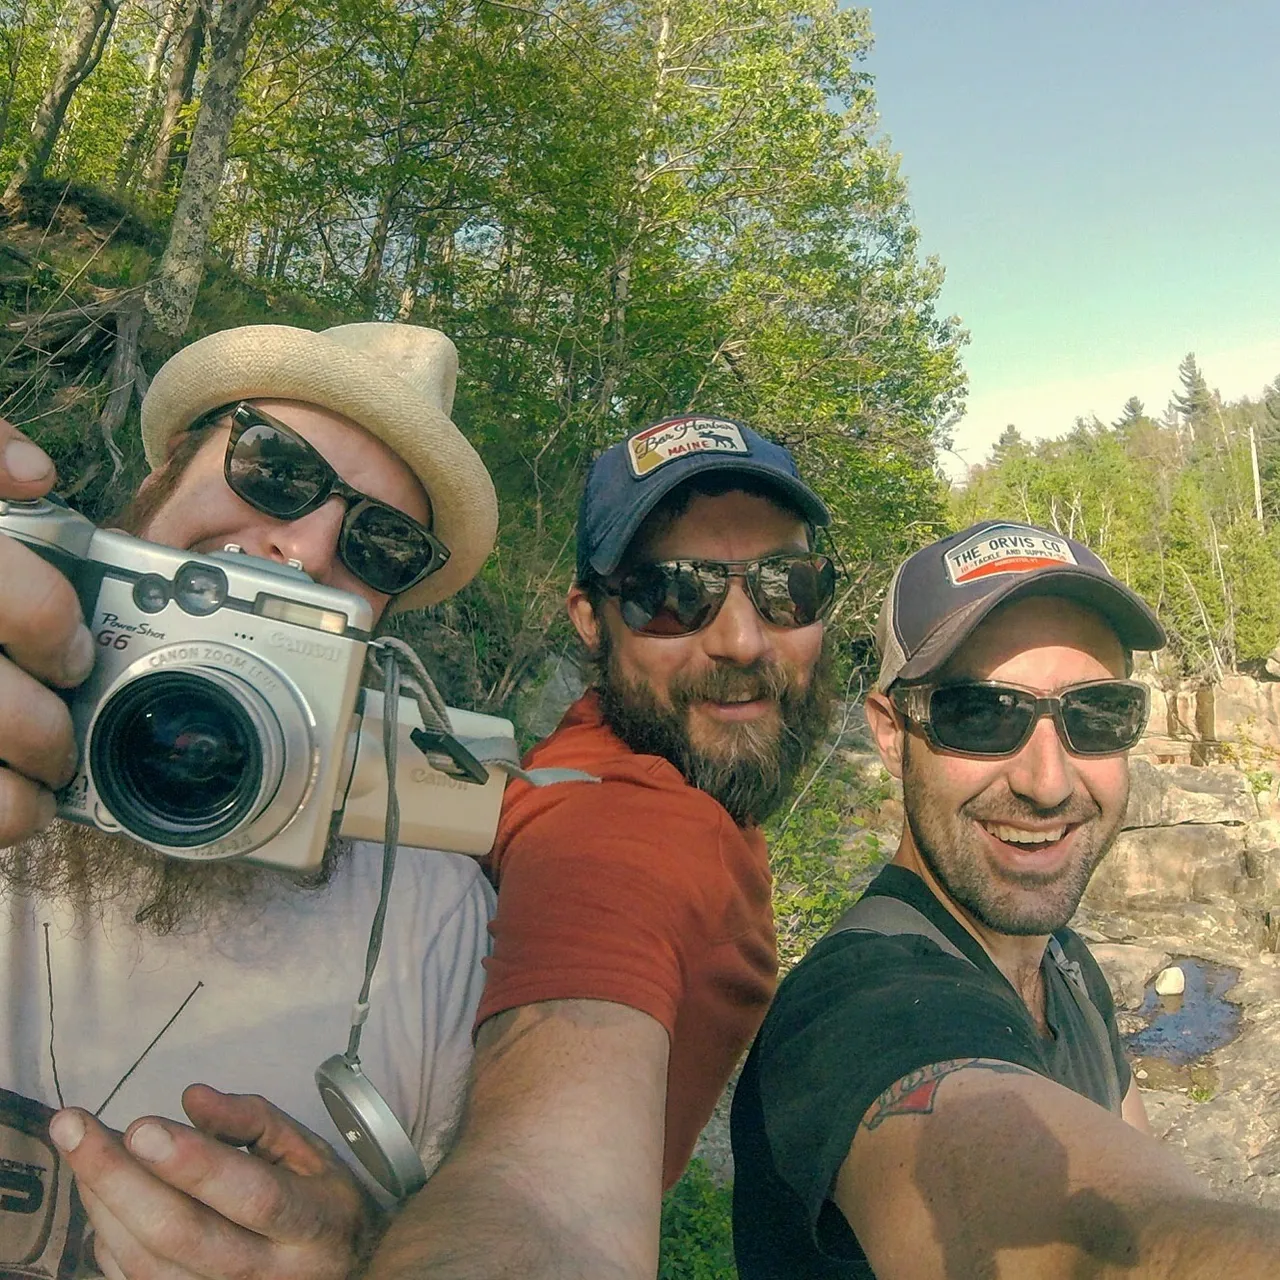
1021	836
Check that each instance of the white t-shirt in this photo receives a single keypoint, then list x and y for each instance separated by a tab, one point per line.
274	984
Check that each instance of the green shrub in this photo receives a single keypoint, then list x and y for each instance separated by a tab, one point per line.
697	1229
815	848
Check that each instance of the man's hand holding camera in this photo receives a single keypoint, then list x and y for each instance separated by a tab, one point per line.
45	643
246	1191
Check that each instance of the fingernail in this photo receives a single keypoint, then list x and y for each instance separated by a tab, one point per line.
25	461
80	656
66	1129
151	1142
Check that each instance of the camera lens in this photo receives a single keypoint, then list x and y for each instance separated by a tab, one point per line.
177	758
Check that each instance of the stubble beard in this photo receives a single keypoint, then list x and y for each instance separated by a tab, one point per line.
757	766
1018	904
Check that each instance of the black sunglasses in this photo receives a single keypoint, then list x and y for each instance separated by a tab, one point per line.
280	474
985	718
679	597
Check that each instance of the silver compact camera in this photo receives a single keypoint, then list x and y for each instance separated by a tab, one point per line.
225	716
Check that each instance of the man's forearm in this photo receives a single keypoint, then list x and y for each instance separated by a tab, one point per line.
557	1170
475	1222
1202	1240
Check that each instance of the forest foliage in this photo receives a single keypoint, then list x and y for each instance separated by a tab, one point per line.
618	211
1170	503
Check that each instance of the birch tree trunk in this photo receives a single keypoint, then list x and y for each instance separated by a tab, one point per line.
182	75
127	168
171	292
94	20
615	351
371	274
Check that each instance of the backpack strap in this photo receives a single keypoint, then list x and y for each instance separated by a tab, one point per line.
891	917
1070	969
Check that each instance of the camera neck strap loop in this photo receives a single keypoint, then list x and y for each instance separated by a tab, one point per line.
390	845
369	1126
499	753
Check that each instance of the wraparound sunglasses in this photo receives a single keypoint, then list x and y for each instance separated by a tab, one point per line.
279	473
680	597
987	719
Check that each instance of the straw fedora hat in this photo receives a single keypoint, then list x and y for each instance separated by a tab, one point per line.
395	380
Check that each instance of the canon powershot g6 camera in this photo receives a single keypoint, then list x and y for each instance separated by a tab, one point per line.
224	716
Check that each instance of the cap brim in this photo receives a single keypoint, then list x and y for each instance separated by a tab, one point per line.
1136	626
608	555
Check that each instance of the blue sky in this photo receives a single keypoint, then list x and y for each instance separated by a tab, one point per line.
1102	183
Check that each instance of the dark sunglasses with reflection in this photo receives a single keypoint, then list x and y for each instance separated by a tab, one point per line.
681	597
276	471
988	719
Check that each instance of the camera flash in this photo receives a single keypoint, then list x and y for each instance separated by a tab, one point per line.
301	615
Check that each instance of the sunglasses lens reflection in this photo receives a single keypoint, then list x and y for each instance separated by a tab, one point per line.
274	473
984	718
679	597
996	720
1104	718
279	473
385	549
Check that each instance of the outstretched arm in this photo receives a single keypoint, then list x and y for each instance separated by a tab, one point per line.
557	1171
980	1168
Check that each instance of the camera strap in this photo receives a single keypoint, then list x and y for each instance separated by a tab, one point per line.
502	753
455	754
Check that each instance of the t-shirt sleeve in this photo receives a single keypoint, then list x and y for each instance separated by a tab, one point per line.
598	899
847	1025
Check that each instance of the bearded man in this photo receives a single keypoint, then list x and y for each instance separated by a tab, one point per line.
633	943
939	1090
130	974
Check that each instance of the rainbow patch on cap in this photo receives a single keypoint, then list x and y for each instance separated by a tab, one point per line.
677	438
1005	548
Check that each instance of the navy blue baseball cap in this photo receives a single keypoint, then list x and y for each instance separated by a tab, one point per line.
629	479
940	594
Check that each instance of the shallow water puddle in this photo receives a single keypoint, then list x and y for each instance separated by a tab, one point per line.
1183	1029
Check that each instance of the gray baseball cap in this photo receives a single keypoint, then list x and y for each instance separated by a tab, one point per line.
941	593
630	478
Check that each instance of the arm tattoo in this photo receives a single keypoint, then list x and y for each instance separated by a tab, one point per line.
913	1095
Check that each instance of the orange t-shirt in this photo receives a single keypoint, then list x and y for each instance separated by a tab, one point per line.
640	890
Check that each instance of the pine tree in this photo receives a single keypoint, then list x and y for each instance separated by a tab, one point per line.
1196	400
1132	411
1009	445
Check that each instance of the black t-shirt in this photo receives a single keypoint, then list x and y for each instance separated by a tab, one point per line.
855	1016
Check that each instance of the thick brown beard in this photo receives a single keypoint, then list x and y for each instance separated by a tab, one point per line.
757	776
90	869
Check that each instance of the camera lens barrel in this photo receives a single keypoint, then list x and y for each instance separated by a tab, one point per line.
183	758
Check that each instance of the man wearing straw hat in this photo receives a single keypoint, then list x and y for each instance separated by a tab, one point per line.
131	976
